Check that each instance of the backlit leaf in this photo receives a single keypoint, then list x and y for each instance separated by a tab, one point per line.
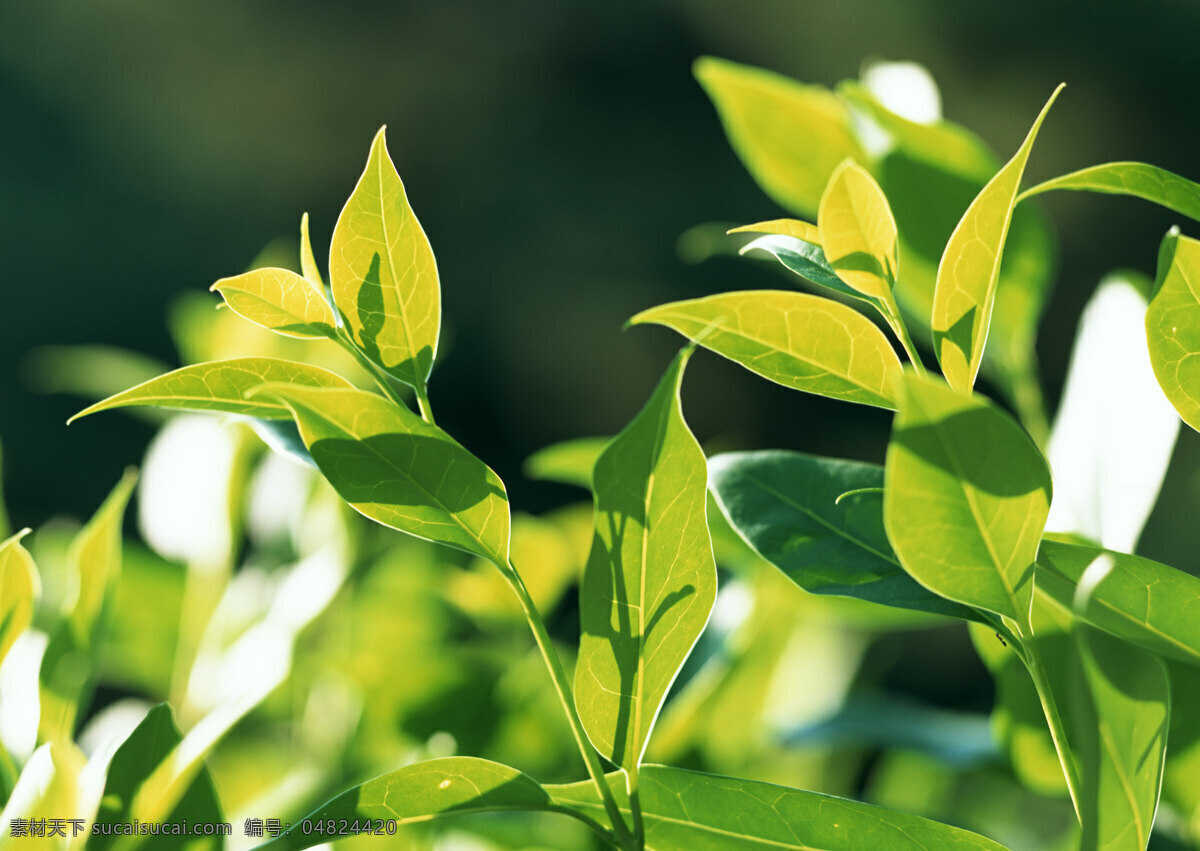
570	462
222	386
383	274
784	505
690	811
650	580
784	227
279	300
790	136
966	500
1173	325
858	233
801	341
19	587
308	263
395	468
970	268
1138	180
807	260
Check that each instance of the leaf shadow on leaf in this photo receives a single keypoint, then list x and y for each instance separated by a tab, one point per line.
861	261
958	335
386	469
372	317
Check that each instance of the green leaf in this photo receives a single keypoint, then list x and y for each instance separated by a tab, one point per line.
49	783
222	386
133	763
70	664
308	263
858	232
783	505
807	260
279	300
383	274
1138	180
970	268
801	341
690	811
570	462
454	786
19	587
650	581
784	227
966	500
1173	325
1142	601
395	468
790	136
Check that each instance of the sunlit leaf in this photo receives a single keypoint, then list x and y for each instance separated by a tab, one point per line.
1114	432
400	471
966	500
650	580
807	260
133	763
784	504
69	666
784	227
858	233
1138	180
279	300
48	783
19	588
383	274
222	386
308	263
1134	598
570	462
1173	325
789	135
970	268
691	811
801	341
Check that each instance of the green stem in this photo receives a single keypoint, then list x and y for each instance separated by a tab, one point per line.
635	807
563	687
423	403
1037	670
891	314
381	378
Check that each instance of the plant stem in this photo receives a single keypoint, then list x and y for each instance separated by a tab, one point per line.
423	403
1037	670
381	378
891	314
635	808
567	697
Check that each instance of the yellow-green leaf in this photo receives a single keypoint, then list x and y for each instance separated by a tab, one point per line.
858	232
801	341
383	275
650	579
1173	325
1137	180
308	262
19	588
784	227
969	270
222	386
279	300
790	136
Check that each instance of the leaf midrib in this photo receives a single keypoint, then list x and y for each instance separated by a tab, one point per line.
387	250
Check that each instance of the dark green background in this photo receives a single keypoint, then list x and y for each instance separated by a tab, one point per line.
554	152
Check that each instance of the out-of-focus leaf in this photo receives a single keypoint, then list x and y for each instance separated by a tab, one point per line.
690	811
48	783
395	468
570	462
650	580
92	372
795	228
383	274
1139	180
142	640
966	498
858	233
790	136
69	666
1173	325
801	341
222	386
1114	432
19	588
308	263
807	260
133	763
280	301
970	269
784	504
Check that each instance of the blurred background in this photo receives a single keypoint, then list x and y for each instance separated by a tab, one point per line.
554	152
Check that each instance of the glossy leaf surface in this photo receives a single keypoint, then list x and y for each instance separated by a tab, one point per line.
967	498
19	588
691	811
784	505
801	341
279	300
222	386
807	260
858	232
383	274
650	579
395	468
1173	325
1138	180
970	269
